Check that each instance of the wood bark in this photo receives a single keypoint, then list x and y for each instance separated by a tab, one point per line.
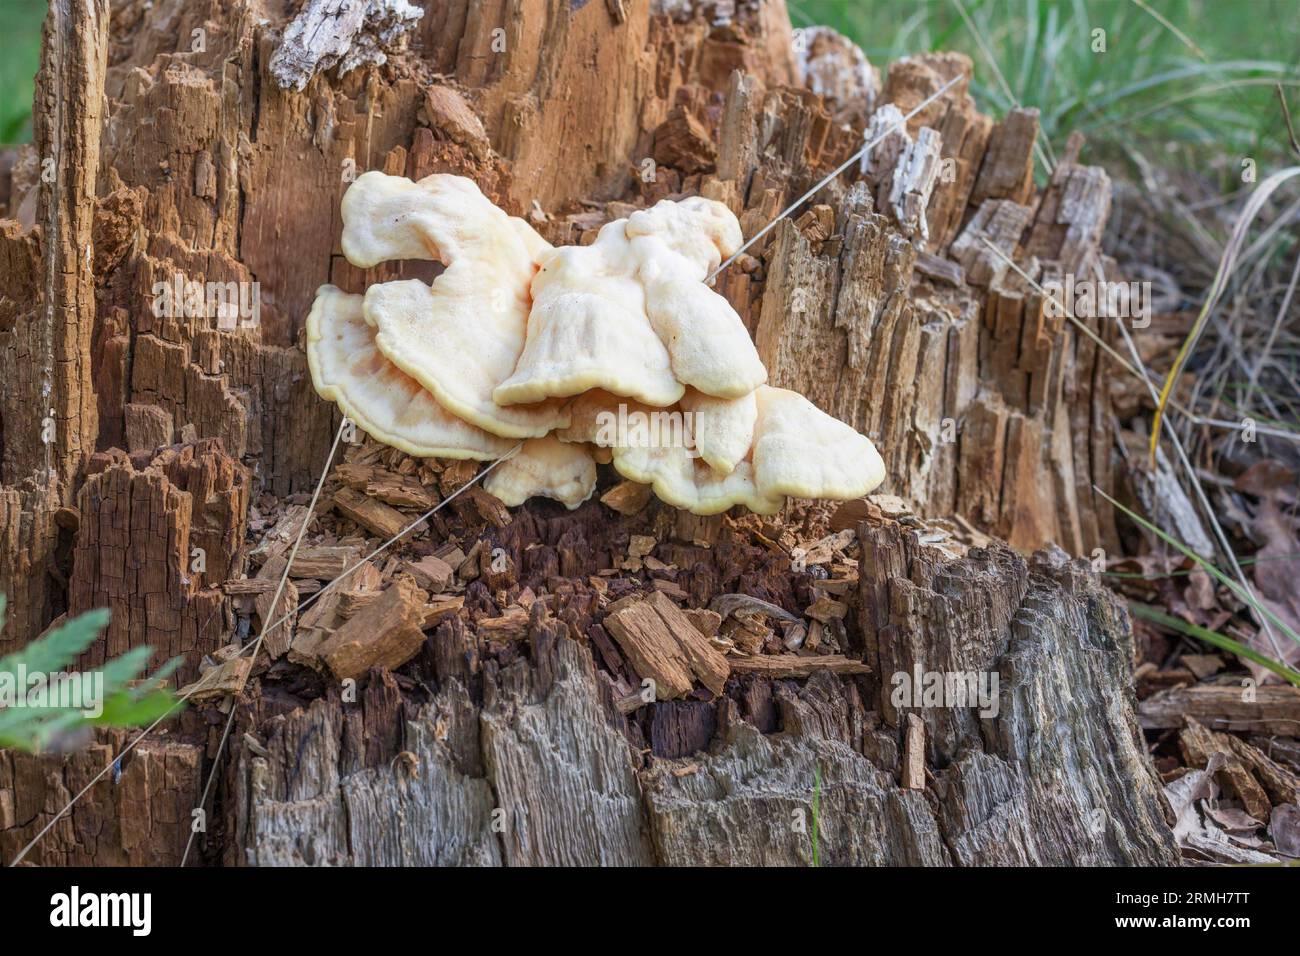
516	734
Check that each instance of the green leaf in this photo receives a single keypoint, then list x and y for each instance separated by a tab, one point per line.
119	704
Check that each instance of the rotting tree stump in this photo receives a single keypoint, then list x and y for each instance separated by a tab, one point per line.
129	438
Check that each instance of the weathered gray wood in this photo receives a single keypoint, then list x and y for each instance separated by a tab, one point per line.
308	803
1055	773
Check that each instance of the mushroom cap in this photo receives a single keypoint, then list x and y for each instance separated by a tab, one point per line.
709	345
441	217
802	452
545	467
461	336
704	231
594	418
588	329
686	482
723	428
349	370
677	245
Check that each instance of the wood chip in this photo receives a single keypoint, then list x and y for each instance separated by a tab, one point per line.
661	643
826	609
324	563
276	639
446	110
651	648
372	514
1270	709
791	665
627	497
1203	750
914	754
226	678
431	572
708	665
440	608
387	633
281	537
1202	665
706	622
512	625
400	491
669	589
468	569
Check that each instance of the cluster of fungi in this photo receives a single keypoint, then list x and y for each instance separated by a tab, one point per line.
540	355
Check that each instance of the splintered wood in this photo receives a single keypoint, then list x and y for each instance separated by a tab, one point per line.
371	513
387	633
664	646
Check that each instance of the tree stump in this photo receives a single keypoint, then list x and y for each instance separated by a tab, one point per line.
180	144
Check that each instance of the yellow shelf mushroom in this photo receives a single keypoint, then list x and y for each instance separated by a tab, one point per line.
588	329
547	468
617	352
349	370
462	335
802	452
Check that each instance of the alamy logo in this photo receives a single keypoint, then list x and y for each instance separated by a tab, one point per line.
1086	299
954	689
134	910
637	429
232	304
61	690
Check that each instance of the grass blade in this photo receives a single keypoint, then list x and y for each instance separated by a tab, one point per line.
1226	264
1255	604
1221	641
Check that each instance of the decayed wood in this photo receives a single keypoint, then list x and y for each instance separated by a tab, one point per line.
326	562
552	748
48	415
326	33
913	776
153	545
627	497
792	665
386	633
532	718
373	515
225	678
651	648
46	401
29	537
948	380
140	818
664	645
1269	709
276	606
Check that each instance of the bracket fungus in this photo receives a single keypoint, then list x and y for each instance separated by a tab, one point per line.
460	336
616	352
546	468
588	329
801	451
349	370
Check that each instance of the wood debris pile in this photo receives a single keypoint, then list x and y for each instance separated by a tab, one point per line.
675	607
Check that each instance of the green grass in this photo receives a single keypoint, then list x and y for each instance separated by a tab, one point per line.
1203	99
20	54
